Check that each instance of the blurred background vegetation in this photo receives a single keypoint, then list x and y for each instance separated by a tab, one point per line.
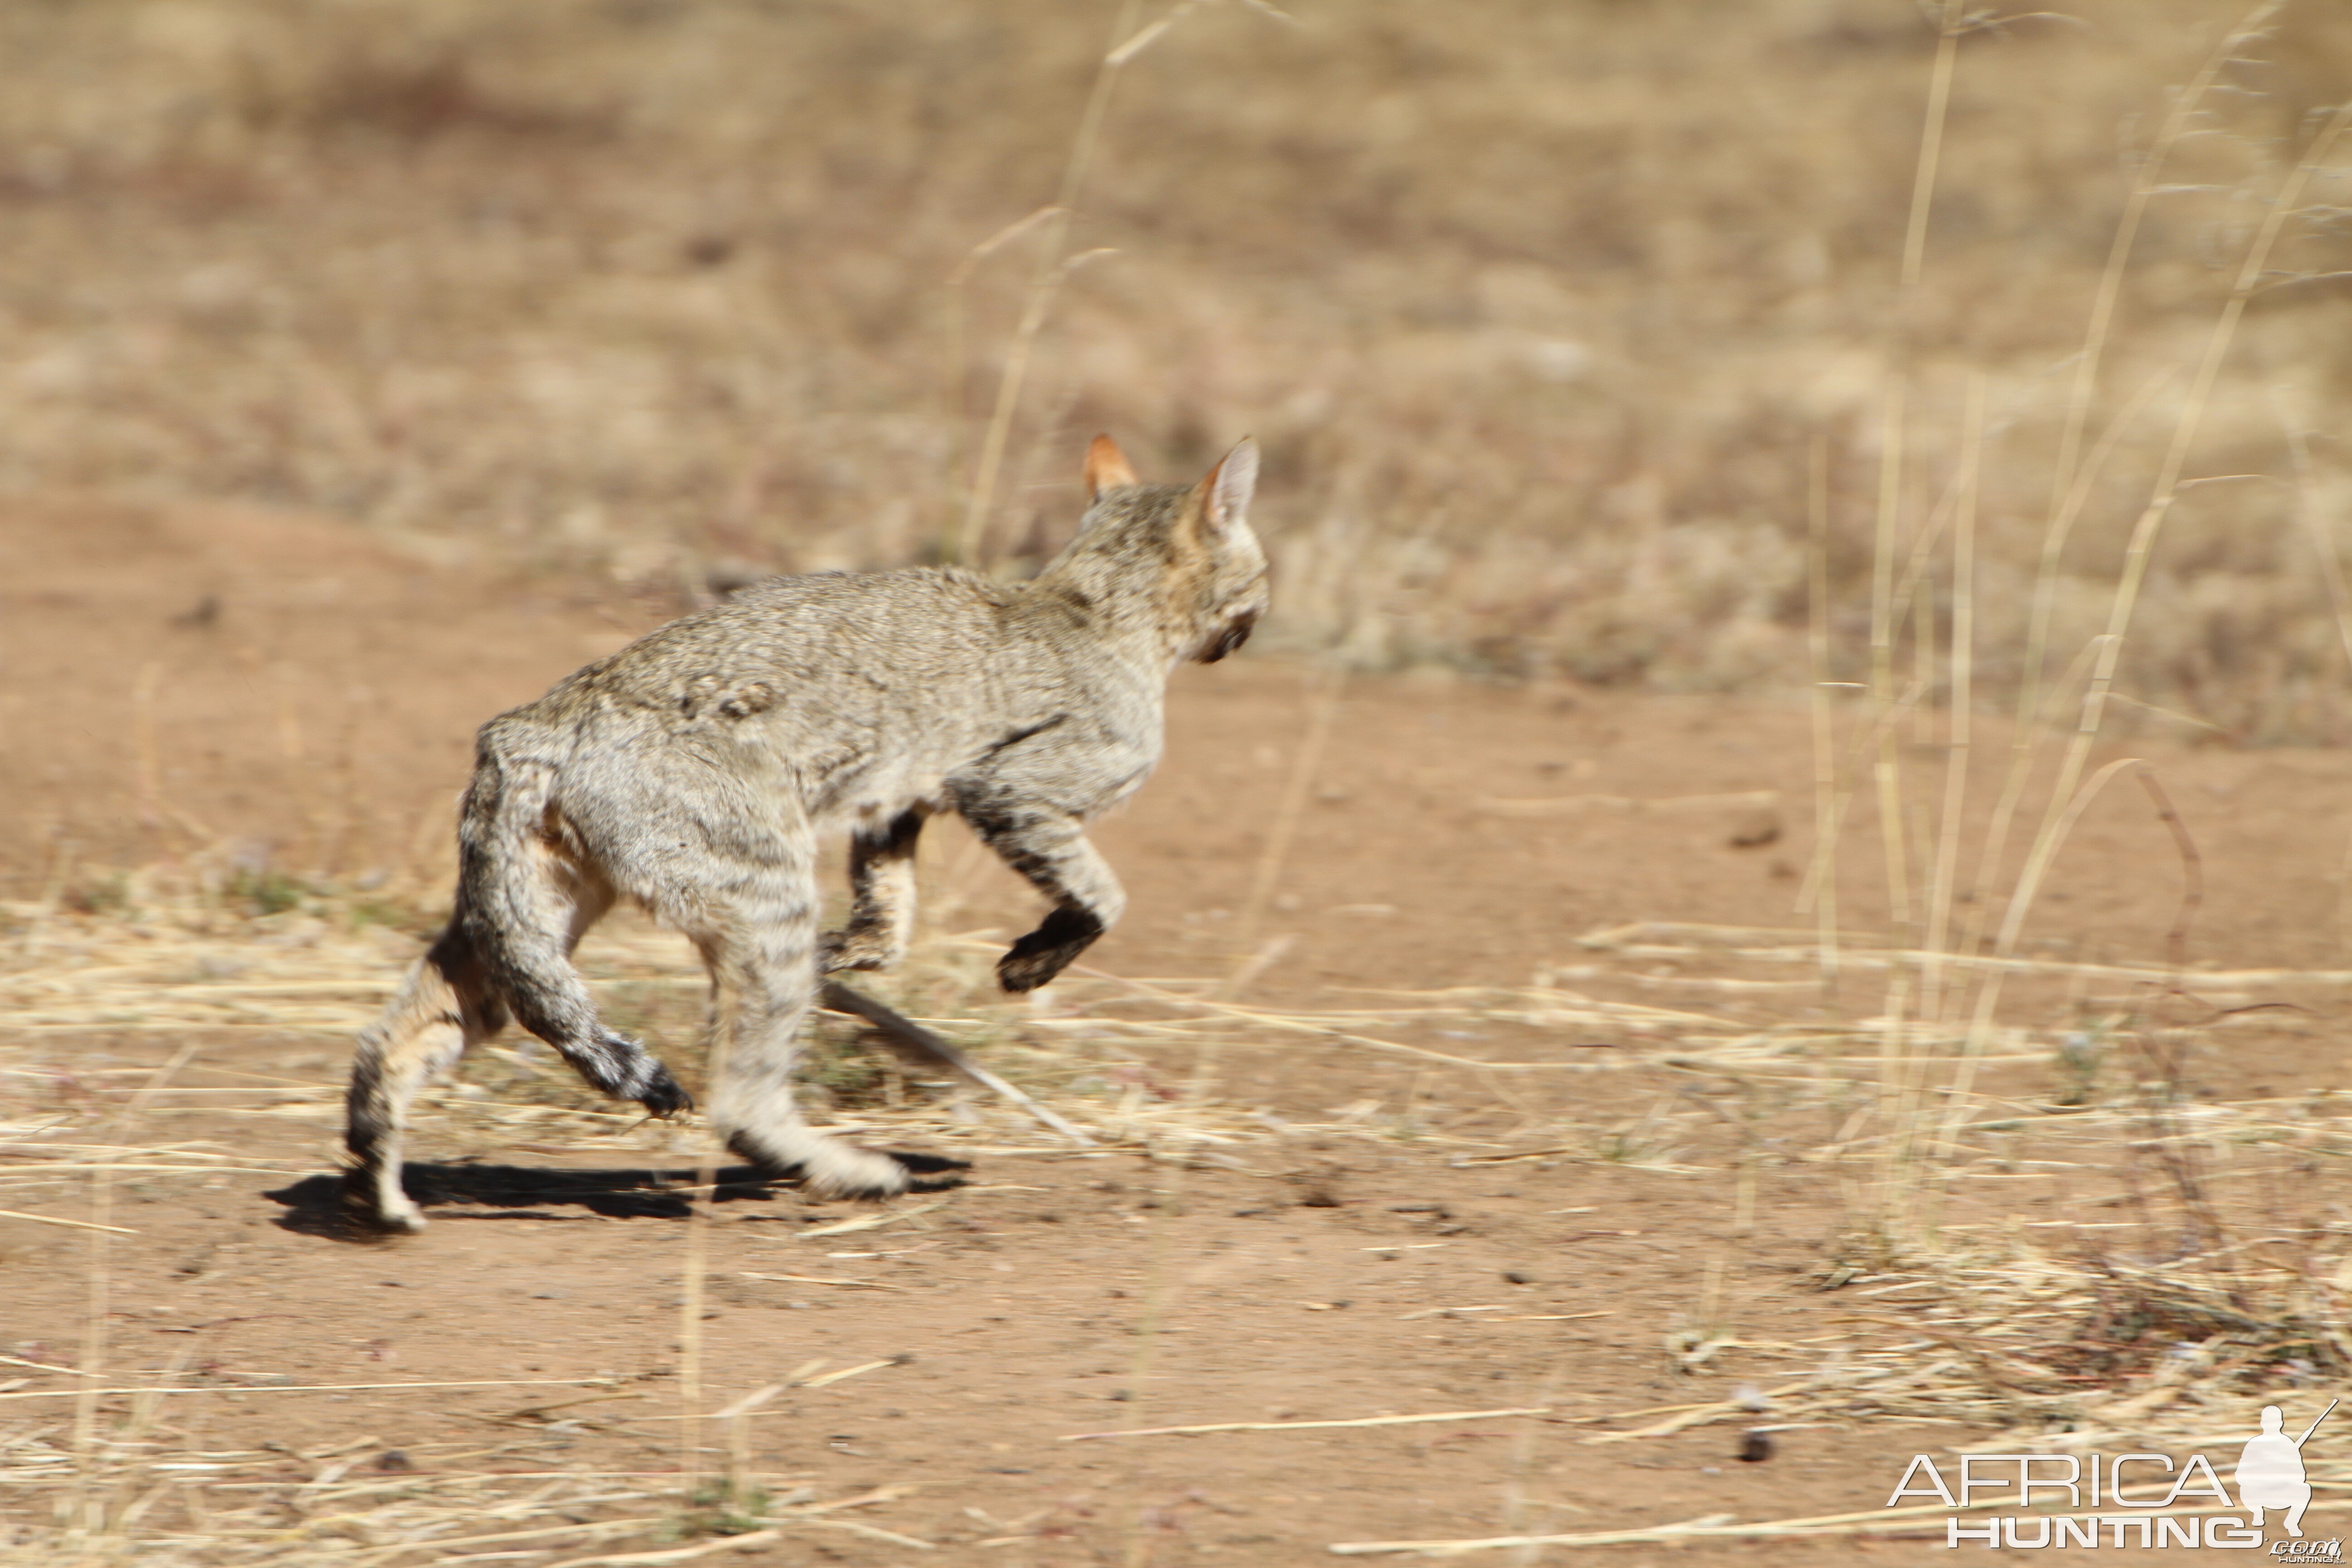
1537	306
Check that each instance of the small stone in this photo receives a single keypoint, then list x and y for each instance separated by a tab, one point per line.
393	1462
1755	1445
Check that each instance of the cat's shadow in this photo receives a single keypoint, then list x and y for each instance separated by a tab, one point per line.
315	1206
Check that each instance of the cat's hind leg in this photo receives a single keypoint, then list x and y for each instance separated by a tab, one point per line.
882	896
442	1006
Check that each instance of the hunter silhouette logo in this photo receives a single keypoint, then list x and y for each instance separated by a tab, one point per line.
2151	1501
2270	1472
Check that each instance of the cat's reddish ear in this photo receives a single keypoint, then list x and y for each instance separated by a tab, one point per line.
1107	467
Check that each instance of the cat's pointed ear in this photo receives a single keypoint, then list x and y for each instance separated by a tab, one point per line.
1107	467
1225	494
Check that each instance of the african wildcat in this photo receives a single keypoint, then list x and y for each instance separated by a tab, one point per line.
694	770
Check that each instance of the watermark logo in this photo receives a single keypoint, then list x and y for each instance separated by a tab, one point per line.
2270	1472
2129	1497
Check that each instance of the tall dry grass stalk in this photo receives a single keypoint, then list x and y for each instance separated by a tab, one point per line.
1054	266
1912	1053
1929	1019
2167	488
2067	800
962	491
1324	688
1882	600
1944	887
83	1509
693	1273
1821	876
1886	598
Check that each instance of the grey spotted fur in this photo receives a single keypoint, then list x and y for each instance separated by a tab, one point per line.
694	771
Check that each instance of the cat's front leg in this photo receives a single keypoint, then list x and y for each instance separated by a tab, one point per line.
1051	850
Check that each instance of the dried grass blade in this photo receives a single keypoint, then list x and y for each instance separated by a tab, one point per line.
71	1223
815	1280
676	1553
1310	1426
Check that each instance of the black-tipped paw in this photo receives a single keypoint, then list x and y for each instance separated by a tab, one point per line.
1047	951
662	1094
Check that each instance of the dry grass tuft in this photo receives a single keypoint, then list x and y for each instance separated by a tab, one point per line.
2167	1325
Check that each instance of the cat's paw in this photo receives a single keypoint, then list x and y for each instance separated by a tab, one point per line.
854	949
1047	951
662	1094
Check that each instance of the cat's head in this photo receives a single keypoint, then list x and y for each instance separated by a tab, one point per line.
1196	539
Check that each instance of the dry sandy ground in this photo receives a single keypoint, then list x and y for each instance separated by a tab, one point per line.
270	690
